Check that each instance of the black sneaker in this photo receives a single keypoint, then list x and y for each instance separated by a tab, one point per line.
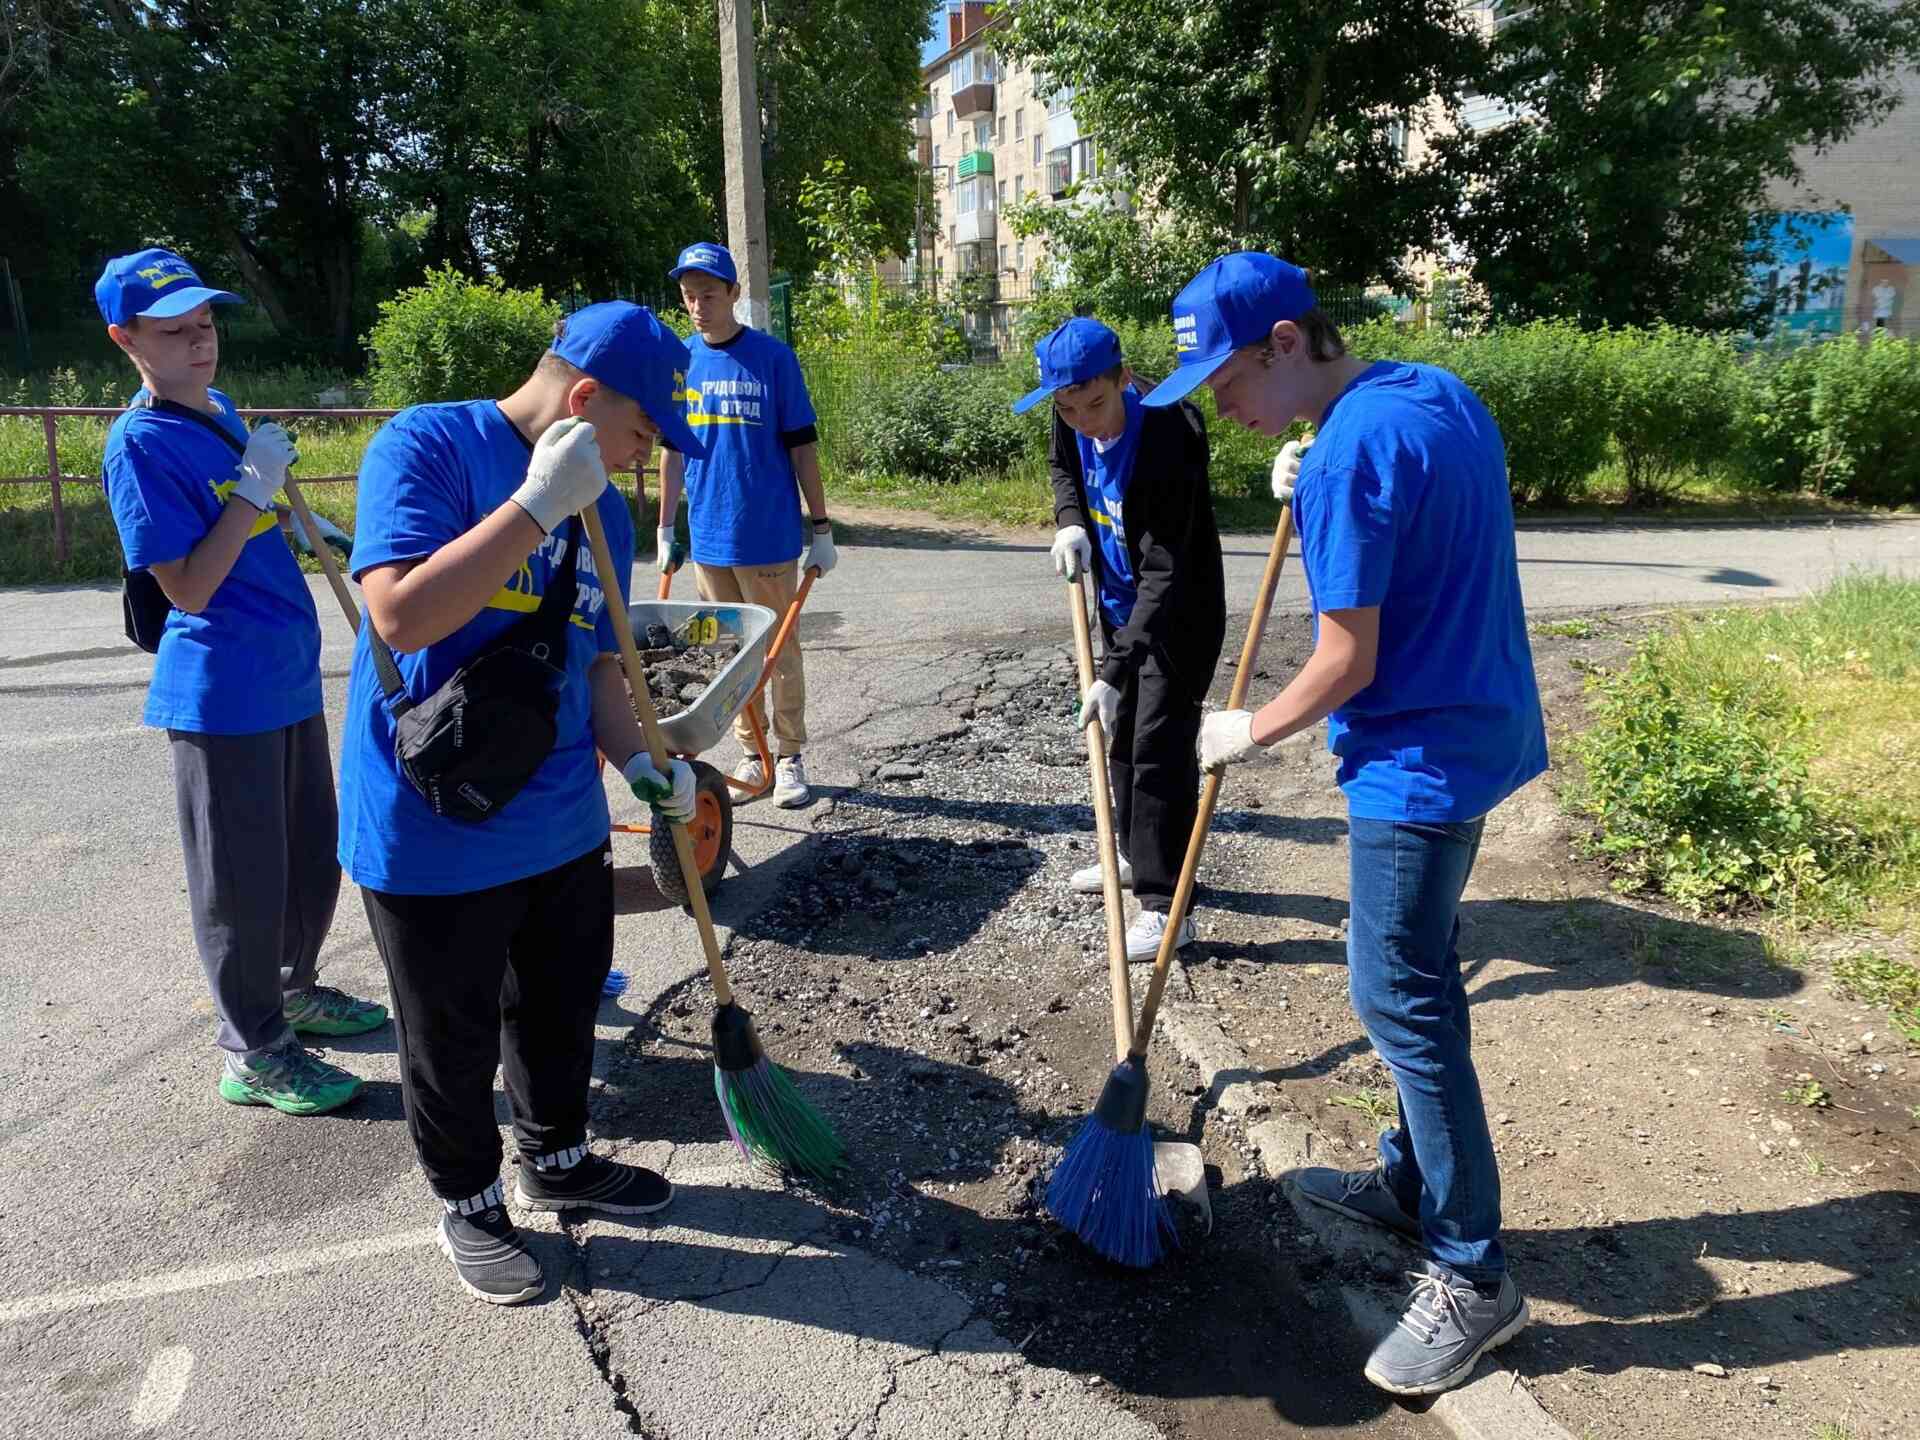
593	1184
490	1258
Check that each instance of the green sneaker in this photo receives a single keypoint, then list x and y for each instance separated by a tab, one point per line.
323	1010
292	1079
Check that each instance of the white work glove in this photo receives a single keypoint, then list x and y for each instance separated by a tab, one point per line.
565	475
1072	553
820	553
1102	703
669	552
1286	468
263	468
1226	738
330	534
673	797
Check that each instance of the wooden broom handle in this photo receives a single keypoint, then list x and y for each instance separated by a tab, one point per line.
324	553
656	748
1103	829
1210	790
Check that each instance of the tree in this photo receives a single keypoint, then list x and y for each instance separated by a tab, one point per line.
243	131
1265	126
1634	186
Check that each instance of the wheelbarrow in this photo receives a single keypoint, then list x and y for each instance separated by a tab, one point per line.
709	718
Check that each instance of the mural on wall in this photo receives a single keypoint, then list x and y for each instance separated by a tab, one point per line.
1812	251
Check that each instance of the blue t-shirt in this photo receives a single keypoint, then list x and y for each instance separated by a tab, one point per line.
431	475
747	401
250	661
1107	471
1402	502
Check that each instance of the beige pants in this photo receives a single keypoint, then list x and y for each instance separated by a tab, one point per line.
772	586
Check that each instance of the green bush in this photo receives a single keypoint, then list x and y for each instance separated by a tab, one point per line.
457	339
938	425
1702	796
1675	396
1547	392
1837	417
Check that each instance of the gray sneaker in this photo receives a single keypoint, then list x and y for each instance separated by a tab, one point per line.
1357	1194
1448	1325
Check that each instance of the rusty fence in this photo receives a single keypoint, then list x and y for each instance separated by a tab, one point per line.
50	417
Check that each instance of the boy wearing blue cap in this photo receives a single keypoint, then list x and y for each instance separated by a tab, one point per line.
493	909
1422	671
236	686
1137	480
747	398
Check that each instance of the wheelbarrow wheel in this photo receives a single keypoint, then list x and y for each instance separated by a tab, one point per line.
710	829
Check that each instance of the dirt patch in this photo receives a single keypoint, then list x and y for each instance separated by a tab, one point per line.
677	670
929	974
1669	1204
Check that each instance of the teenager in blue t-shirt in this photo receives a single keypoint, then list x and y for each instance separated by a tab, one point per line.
1137	478
1422	672
236	686
747	400
498	935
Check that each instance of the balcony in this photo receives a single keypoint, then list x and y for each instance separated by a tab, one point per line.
974	162
974	102
976	227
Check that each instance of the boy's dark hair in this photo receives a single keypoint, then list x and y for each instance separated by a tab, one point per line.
553	366
1115	375
1323	336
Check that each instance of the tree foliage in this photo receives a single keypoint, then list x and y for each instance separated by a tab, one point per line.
1636	186
1261	125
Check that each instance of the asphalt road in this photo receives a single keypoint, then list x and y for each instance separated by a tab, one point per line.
173	1265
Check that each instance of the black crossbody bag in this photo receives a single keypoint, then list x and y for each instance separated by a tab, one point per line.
144	606
474	743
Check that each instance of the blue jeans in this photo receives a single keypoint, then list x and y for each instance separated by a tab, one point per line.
1403	972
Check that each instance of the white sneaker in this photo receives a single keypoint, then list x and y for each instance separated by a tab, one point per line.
749	773
1143	936
790	788
1088	881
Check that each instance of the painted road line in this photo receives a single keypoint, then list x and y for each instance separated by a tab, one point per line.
265	1267
164	1388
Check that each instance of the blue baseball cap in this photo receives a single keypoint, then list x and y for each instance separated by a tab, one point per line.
626	347
709	257
156	283
1077	352
1235	301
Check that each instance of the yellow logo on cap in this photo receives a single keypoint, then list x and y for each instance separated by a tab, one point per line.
161	276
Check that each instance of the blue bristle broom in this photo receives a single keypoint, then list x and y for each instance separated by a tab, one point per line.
1105	1188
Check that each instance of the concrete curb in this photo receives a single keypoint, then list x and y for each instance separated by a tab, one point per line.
1494	1404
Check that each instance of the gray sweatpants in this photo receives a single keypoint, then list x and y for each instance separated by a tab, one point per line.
258	822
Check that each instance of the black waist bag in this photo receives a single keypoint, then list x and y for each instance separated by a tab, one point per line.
144	608
473	744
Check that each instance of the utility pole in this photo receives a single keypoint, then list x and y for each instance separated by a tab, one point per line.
746	189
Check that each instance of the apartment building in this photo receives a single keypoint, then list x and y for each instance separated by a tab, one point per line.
990	138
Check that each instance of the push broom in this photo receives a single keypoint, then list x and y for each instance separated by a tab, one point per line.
1105	1188
768	1118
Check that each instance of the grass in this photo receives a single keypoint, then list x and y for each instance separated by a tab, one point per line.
1575	629
1380	1106
1770	756
1885	983
1808	1093
1827	1430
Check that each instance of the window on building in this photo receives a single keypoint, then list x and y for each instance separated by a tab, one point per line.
1397	137
1060	102
1003	257
953	236
1020	124
949	122
1020	255
1003	194
1059	170
965	198
982	134
936	157
1019	188
1036	149
1082	159
1001	133
976	67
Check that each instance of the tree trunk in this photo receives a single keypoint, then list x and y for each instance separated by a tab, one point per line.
261	288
